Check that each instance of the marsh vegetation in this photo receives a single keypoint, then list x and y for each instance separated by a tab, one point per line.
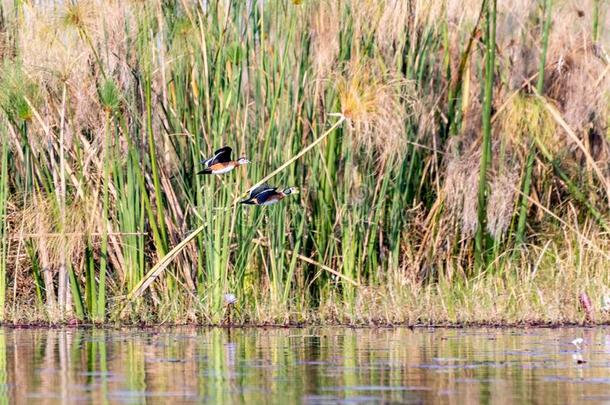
452	157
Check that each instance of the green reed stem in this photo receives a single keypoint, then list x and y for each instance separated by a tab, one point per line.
490	50
77	298
596	12
100	308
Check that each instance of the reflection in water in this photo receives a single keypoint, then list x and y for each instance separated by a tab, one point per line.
311	365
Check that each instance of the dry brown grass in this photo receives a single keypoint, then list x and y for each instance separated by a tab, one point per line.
502	200
60	46
460	190
541	287
376	103
325	26
60	239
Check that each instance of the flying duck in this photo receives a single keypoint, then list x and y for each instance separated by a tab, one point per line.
221	162
267	195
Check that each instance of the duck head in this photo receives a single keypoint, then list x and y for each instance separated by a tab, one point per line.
290	190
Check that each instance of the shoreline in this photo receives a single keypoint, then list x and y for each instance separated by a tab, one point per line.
243	326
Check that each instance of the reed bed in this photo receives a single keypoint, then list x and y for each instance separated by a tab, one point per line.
453	161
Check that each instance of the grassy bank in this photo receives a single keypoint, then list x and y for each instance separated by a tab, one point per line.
453	160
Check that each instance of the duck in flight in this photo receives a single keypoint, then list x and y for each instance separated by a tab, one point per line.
221	162
267	195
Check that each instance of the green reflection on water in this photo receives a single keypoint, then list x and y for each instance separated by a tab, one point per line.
313	365
3	373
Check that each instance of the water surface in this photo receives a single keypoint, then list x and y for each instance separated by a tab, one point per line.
310	365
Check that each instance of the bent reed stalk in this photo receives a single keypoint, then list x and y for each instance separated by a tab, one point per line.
449	189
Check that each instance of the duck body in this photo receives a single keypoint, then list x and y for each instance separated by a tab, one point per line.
267	195
221	162
219	168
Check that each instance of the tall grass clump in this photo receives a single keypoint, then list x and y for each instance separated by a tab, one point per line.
444	153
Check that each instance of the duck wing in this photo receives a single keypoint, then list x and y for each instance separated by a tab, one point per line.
222	155
260	189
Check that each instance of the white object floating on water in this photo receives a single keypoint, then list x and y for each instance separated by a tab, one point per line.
230	299
577	342
578	358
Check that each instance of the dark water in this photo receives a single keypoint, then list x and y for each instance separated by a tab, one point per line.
312	365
